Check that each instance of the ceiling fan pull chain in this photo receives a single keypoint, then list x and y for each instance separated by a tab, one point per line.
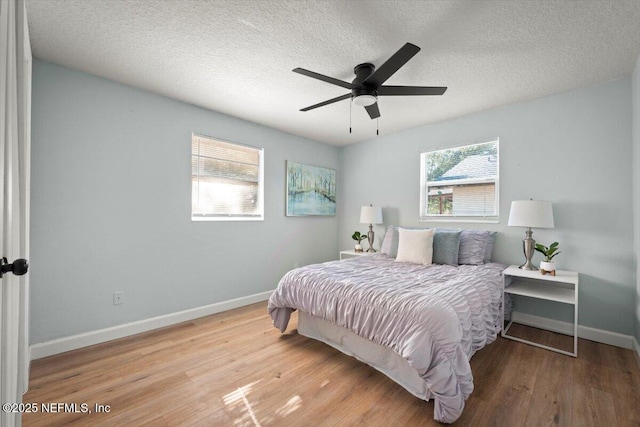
378	126
350	110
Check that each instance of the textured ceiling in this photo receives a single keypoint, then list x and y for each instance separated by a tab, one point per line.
236	57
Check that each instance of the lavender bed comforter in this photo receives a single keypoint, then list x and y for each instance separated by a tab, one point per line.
436	317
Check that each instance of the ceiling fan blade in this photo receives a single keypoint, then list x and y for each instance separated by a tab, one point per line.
373	111
410	90
393	64
330	101
324	78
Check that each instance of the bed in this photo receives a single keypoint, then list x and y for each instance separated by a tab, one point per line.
418	324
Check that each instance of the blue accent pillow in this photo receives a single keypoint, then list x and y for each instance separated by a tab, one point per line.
446	244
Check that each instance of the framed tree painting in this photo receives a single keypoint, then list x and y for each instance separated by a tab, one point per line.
311	190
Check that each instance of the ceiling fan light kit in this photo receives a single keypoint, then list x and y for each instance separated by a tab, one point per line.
368	83
364	100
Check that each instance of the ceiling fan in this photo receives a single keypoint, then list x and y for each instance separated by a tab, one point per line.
367	86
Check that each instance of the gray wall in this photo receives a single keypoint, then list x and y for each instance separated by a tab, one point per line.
635	80
111	200
572	148
111	208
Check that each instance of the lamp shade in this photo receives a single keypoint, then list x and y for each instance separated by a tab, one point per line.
371	215
531	213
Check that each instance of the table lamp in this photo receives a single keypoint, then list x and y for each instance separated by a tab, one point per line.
370	215
530	214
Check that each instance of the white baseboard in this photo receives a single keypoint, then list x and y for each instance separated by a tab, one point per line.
592	334
73	342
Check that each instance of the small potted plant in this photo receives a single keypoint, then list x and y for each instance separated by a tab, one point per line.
358	238
548	266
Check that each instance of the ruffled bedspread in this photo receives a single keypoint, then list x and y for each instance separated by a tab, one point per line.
436	317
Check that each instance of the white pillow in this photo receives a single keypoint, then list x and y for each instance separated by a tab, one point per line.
415	246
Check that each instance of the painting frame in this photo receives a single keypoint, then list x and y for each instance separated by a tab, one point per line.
310	190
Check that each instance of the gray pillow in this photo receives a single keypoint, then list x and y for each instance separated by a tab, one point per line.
446	244
390	242
472	246
488	250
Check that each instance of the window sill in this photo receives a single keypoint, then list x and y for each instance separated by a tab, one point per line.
226	218
463	219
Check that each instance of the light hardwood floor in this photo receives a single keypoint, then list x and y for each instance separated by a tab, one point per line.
235	368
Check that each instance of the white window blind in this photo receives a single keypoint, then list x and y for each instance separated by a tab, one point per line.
460	182
226	180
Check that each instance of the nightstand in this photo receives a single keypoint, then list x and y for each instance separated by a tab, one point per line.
563	288
352	253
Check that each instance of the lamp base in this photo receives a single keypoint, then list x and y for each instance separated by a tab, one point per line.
528	247
528	266
371	236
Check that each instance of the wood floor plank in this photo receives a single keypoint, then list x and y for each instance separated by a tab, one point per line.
521	367
491	368
627	400
191	409
398	404
593	407
508	407
217	418
553	392
235	369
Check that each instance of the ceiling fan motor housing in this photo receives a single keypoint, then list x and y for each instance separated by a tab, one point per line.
362	71
364	90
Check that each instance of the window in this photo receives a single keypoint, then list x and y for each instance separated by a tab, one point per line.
226	180
460	183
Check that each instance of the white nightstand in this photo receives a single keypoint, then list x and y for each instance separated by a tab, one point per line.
563	287
352	253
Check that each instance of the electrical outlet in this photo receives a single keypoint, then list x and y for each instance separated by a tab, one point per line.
118	298
295	265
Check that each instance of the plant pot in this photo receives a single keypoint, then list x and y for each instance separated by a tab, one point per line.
358	247
548	267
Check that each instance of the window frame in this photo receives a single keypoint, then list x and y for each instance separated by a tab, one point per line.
232	217
458	218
